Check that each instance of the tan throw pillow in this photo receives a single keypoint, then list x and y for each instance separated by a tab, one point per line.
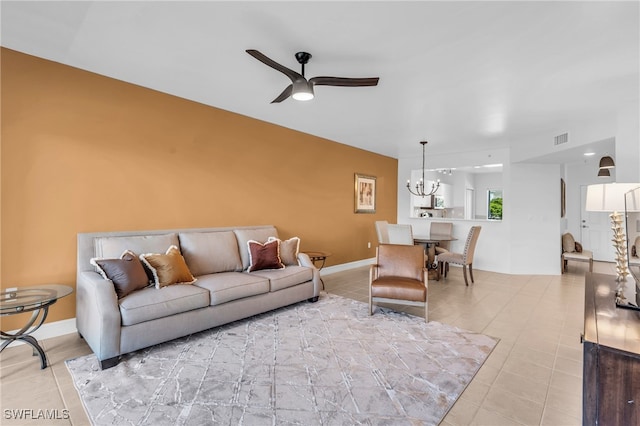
264	256
568	243
169	268
289	250
127	273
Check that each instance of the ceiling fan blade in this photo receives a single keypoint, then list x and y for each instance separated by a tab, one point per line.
344	81
284	95
273	64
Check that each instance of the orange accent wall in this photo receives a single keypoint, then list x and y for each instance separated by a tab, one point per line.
82	152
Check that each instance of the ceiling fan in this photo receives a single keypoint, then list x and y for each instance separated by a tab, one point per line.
300	88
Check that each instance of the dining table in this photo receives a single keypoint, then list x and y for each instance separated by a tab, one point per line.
430	241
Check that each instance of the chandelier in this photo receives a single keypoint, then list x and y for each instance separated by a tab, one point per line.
420	191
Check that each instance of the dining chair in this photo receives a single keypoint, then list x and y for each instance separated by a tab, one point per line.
465	258
382	231
399	277
400	234
572	250
444	229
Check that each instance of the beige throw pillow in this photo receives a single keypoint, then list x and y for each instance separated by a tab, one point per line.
289	250
169	268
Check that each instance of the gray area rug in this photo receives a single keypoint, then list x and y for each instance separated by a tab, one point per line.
324	363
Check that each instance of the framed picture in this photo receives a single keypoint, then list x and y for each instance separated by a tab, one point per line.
365	194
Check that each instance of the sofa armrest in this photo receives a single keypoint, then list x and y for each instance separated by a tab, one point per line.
304	260
98	314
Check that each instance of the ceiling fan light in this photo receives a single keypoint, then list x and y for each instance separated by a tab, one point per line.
606	162
302	91
303	96
604	173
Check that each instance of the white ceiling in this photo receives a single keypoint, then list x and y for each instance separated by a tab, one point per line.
464	75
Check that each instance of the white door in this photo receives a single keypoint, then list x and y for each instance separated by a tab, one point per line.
596	233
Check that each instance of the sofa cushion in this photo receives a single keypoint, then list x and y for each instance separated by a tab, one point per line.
169	268
288	277
210	252
150	303
227	286
264	256
289	250
244	235
112	247
126	273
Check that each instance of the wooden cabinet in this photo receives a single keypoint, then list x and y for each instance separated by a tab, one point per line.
611	351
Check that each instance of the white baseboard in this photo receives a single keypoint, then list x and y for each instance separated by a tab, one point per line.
52	329
346	266
68	326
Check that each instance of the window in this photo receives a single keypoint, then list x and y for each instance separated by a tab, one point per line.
494	205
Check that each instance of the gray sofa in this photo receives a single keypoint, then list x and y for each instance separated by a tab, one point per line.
223	292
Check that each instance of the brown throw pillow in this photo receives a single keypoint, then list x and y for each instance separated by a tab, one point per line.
126	273
264	256
578	247
169	268
289	250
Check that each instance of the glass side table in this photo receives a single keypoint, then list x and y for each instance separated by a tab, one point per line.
37	300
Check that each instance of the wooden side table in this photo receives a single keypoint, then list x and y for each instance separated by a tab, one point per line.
611	356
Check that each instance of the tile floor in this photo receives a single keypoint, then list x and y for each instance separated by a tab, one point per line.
533	377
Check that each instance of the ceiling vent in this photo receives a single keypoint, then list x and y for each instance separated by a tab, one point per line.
560	139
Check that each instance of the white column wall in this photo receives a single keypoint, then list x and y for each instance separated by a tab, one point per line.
627	156
535	225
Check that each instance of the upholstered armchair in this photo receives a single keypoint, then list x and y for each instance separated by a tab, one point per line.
399	277
465	259
572	250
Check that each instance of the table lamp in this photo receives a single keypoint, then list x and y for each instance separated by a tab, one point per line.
609	197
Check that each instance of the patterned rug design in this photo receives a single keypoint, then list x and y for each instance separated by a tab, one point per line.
324	363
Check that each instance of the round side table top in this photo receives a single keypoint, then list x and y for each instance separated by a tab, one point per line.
25	299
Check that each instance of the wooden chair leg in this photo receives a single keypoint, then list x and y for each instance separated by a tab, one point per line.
471	272
464	271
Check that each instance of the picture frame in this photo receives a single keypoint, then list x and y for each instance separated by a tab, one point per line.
365	193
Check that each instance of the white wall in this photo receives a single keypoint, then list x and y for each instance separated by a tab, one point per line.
527	240
492	252
628	144
534	208
531	222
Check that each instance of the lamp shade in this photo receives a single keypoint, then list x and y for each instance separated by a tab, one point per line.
606	162
607	197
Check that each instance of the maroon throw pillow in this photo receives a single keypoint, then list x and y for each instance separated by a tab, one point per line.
264	256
